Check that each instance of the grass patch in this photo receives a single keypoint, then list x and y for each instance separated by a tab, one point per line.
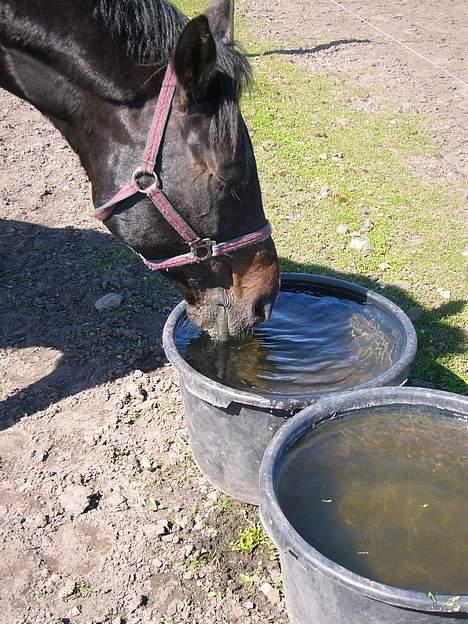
323	162
249	539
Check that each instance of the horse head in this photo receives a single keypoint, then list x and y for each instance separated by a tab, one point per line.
107	75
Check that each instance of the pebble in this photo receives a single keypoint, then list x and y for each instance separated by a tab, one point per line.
402	284
367	226
384	266
268	144
157	564
38	521
323	156
111	301
271	593
172	608
444	293
249	605
360	244
136	602
117	501
75	499
324	193
342	229
67	590
134	390
161	527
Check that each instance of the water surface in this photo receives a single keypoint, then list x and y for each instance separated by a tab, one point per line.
312	343
385	495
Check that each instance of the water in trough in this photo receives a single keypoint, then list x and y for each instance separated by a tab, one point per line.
312	343
385	494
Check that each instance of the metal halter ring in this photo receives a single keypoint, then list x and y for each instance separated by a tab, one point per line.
138	177
203	249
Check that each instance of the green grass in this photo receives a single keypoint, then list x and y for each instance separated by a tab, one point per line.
249	539
296	118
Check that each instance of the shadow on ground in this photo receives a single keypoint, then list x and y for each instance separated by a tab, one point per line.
50	280
302	51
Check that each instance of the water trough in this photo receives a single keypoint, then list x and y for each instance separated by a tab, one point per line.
230	427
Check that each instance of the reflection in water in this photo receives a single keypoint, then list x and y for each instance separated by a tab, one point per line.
311	343
385	494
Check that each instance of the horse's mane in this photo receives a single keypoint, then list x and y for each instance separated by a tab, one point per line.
150	30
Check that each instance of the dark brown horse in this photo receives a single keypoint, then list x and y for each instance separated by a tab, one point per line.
95	69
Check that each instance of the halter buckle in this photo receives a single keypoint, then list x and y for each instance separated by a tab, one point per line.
203	249
151	177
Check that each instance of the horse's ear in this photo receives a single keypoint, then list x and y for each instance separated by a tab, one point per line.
220	15
195	57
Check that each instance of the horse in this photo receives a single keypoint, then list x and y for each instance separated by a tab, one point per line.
107	73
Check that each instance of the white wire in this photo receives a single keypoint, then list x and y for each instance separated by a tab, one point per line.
465	84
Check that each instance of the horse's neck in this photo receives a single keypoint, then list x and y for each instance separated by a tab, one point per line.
82	80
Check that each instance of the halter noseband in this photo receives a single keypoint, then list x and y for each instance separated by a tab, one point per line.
200	248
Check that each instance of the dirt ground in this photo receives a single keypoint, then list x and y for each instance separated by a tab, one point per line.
103	515
327	39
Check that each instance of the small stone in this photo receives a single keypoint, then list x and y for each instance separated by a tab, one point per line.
110	301
162	527
323	193
384	266
157	564
268	144
444	293
136	602
172	608
249	605
38	521
271	593
360	244
342	229
367	226
134	390
67	590
323	156
75	611
402	284
75	499
117	501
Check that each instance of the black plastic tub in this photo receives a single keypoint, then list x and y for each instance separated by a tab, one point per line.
230	429
318	590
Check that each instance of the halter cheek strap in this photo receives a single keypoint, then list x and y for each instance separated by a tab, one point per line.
200	248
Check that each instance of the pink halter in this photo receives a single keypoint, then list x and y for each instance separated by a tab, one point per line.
200	248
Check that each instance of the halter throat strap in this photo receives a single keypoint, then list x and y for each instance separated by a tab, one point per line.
145	181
